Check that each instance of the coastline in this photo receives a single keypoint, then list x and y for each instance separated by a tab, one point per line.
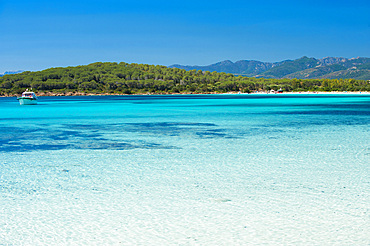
53	94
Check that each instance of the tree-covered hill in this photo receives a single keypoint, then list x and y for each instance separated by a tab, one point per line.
124	78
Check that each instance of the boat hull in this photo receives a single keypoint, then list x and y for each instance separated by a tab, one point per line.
27	101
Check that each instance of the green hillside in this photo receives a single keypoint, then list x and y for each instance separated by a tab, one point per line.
289	67
364	66
316	72
362	74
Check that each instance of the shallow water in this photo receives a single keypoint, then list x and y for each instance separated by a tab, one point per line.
185	170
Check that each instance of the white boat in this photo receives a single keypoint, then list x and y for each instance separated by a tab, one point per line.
27	98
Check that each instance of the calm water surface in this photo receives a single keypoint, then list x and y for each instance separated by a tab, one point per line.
186	170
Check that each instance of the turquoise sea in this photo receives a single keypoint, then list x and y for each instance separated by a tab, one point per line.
186	170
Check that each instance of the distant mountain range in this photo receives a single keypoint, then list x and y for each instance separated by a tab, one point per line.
11	72
302	68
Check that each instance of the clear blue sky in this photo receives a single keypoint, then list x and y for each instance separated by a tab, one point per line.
39	34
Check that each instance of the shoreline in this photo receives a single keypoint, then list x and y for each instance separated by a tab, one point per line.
53	94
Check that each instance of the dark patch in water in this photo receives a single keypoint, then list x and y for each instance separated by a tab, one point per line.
20	139
327	112
21	147
213	133
96	136
83	127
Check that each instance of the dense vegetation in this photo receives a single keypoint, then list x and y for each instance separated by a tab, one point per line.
124	78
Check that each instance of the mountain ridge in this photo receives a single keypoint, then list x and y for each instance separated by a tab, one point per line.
301	68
